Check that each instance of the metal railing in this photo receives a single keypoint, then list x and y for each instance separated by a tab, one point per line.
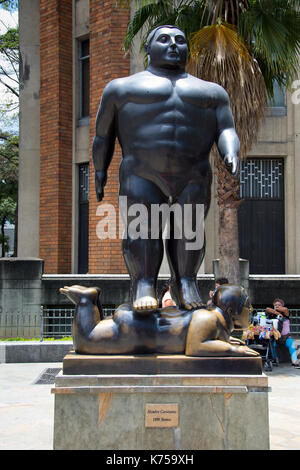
19	325
295	321
51	323
57	323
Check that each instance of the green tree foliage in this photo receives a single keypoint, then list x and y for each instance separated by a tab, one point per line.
9	78
8	183
7	214
270	29
9	70
10	5
9	65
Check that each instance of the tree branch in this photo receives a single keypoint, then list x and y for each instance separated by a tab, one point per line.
10	88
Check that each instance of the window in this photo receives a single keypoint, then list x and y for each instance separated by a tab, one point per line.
277	105
279	96
84	60
261	215
261	178
84	183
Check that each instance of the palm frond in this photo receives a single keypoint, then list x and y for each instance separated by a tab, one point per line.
219	55
272	33
264	47
150	14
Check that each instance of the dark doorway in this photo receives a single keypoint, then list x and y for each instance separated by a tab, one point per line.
83	219
261	215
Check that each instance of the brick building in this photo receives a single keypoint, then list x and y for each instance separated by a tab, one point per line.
80	43
70	49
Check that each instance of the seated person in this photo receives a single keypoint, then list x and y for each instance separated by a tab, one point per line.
282	313
219	282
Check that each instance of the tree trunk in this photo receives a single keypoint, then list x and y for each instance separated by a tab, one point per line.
229	244
228	201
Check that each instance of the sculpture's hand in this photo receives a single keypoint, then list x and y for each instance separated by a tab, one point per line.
232	164
244	351
234	340
100	181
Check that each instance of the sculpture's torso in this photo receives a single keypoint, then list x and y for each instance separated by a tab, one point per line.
166	128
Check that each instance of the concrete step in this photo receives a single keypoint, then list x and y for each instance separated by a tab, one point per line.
34	351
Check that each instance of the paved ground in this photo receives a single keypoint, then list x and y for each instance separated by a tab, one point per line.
27	408
284	408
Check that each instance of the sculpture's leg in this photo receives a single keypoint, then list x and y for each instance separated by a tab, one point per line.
142	254
186	254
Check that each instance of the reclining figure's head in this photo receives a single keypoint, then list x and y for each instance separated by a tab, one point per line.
234	301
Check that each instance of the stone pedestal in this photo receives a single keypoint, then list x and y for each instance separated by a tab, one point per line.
160	411
20	296
244	271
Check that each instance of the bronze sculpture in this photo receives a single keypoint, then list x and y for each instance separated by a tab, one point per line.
200	332
166	122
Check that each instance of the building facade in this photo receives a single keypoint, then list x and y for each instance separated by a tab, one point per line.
70	50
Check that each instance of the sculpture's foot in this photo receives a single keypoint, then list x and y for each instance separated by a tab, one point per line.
144	298
75	293
145	304
188	294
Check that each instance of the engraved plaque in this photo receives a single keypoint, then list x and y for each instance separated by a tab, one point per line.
161	415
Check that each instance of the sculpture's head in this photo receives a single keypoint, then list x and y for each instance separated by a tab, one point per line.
167	47
233	301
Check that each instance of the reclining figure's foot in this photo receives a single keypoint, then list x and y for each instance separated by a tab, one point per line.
144	298
189	296
76	293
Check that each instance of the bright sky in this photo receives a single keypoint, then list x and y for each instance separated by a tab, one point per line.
8	19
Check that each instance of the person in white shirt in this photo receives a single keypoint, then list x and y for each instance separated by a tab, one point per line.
167	300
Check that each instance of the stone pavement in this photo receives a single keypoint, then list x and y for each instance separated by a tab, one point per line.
284	408
27	407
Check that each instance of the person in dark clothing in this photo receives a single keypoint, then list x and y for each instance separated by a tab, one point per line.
219	282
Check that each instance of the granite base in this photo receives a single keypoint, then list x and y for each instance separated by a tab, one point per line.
109	411
74	364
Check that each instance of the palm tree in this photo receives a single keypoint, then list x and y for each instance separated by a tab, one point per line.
244	45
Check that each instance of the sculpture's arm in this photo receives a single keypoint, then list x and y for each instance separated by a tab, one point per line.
104	139
219	348
227	140
203	338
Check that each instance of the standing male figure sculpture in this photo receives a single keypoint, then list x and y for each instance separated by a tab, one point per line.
166	122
